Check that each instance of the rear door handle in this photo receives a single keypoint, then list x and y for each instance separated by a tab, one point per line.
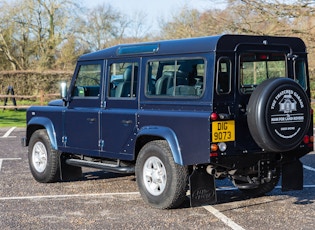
91	119
126	122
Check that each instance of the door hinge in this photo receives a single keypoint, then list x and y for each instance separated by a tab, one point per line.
64	140
101	145
103	104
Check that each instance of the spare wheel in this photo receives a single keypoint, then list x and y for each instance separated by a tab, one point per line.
278	114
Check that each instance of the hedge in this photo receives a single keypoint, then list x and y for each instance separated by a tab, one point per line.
31	82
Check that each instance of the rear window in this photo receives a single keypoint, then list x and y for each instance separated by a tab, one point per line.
257	67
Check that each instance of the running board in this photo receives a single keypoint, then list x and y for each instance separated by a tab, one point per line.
103	166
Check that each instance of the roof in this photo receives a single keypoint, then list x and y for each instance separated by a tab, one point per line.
193	45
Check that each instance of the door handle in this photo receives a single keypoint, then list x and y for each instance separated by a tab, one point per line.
126	122
91	119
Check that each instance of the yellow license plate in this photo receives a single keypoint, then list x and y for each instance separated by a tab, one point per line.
223	131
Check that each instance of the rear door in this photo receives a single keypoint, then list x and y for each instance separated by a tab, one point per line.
255	67
119	117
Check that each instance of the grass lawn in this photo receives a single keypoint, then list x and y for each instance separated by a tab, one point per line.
11	118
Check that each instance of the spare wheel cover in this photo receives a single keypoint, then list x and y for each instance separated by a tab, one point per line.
278	114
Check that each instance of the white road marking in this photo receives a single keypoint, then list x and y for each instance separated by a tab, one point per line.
223	218
277	187
7	159
304	186
7	134
11	159
103	194
309	168
67	196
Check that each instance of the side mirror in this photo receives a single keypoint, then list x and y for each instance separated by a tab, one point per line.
63	90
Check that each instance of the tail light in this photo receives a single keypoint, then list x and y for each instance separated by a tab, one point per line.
306	139
214	116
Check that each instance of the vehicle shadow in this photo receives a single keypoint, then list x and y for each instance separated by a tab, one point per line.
101	175
226	192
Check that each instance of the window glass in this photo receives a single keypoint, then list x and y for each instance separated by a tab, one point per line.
123	80
224	76
257	67
300	73
175	78
88	81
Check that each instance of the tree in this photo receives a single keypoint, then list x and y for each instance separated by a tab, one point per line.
275	17
51	25
15	35
31	31
100	26
184	25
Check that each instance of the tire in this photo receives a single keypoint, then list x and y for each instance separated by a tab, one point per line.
263	188
278	115
43	160
162	183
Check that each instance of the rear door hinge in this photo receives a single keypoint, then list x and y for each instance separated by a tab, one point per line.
101	145
64	140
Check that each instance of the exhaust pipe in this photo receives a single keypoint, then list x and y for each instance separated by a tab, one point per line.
211	170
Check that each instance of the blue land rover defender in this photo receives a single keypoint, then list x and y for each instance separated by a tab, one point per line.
181	114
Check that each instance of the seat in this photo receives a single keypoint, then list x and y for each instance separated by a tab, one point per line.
163	83
124	88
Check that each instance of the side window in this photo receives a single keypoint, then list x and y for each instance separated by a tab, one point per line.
300	73
224	76
123	80
175	78
88	81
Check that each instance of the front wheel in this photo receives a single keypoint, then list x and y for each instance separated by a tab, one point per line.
162	183
43	159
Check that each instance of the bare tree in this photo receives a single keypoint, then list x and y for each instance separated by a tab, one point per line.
15	35
275	17
31	30
100	26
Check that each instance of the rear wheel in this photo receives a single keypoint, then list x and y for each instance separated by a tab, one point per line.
162	183
43	159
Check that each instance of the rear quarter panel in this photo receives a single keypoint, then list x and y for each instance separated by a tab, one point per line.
191	128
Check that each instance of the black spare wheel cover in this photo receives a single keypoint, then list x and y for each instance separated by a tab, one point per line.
278	114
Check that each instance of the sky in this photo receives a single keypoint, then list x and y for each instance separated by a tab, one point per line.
155	10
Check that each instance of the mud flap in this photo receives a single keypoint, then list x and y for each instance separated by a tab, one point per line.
68	172
202	188
292	175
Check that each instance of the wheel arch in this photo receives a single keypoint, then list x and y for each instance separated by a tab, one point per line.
37	123
150	133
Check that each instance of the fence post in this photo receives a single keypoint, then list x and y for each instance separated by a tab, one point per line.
41	94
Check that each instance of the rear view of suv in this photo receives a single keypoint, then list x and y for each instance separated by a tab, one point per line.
181	114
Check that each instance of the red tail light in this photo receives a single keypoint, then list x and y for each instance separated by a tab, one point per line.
306	139
214	116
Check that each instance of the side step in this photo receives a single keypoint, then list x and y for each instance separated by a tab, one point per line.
103	166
